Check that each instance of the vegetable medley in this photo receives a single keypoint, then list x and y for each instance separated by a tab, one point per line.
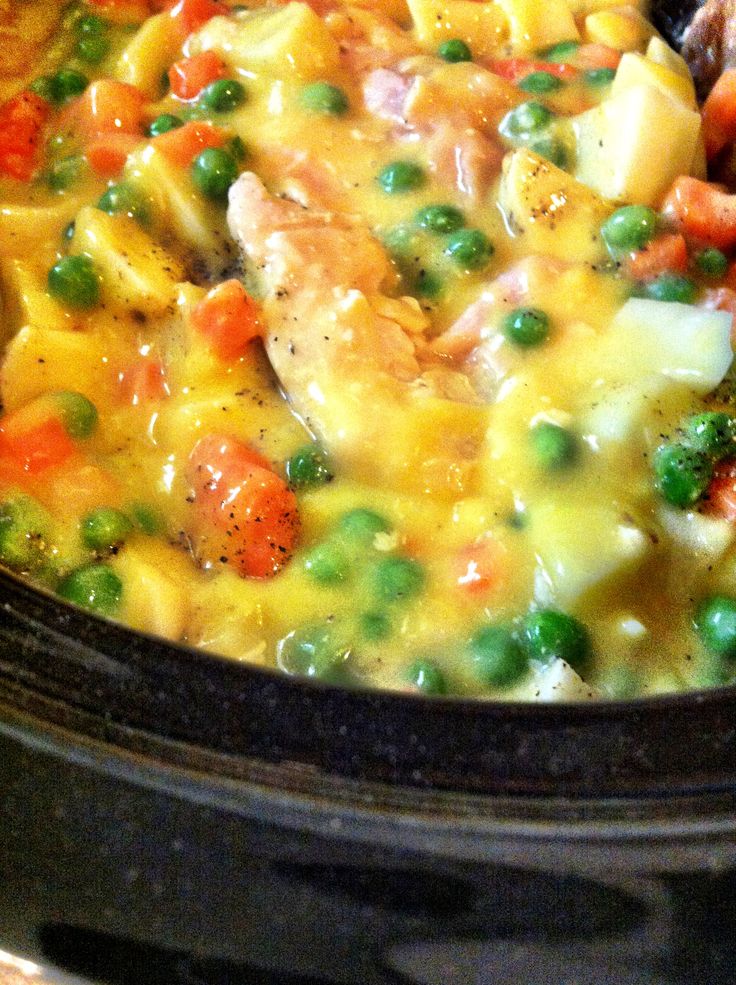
386	342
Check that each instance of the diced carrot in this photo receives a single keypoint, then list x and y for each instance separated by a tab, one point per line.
109	106
142	382
22	119
37	448
479	568
182	145
702	211
665	253
591	56
720	499
246	514
719	114
515	69
228	318
189	76
108	153
190	15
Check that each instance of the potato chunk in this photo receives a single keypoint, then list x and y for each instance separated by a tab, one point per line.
556	214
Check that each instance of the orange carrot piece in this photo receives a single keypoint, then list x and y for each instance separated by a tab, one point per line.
189	76
22	120
719	114
702	211
108	153
665	253
246	516
182	145
228	318
37	448
142	382
720	499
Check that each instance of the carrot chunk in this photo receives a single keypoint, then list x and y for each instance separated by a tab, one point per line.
189	76
22	120
228	319
246	516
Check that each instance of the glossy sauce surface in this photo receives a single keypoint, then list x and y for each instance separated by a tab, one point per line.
363	366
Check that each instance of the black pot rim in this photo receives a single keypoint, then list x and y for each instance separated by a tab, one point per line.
53	655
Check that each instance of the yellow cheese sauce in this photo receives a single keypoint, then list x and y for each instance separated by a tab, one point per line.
359	340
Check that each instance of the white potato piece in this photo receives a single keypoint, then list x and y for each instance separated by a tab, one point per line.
578	547
148	54
559	682
534	25
40	359
557	215
636	70
620	142
699	535
154	598
136	272
679	341
290	41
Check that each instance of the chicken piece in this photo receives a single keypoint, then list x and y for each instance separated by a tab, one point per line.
345	354
709	45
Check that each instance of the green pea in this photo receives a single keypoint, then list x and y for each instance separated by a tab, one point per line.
469	248
213	172
126	199
455	50
428	284
62	174
712	432
621	683
91	24
397	578
526	327
715	621
559	53
312	651
374	626
308	467
47	88
105	528
222	95
95	587
93	48
554	447
682	474
549	634
164	123
325	99
629	228
711	262
78	414
524	120
426	677
440	218
327	563
672	287
69	83
361	526
401	241
400	177
498	657
236	147
540	82
146	518
599	77
551	149
24	529
74	282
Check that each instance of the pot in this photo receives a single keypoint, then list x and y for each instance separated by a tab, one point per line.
170	816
